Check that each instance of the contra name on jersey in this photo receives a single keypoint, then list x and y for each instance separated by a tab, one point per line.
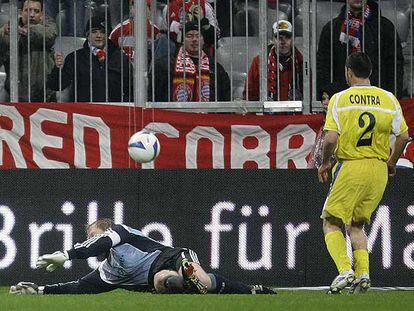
363	99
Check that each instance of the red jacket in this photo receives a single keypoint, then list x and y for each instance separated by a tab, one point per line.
286	80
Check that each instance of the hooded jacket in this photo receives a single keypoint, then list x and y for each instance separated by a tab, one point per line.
381	67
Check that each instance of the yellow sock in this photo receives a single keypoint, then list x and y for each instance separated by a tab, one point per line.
336	244
361	259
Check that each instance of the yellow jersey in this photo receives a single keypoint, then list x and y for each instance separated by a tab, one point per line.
364	117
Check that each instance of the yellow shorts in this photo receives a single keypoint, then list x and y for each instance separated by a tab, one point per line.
356	190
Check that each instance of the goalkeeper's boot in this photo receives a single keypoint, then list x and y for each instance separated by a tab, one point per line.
360	285
341	281
262	290
26	288
192	284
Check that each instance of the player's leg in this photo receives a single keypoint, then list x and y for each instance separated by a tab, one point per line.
361	258
222	285
168	282
371	195
195	278
215	283
337	211
336	245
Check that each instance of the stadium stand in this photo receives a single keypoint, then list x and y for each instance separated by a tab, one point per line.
401	15
239	22
226	54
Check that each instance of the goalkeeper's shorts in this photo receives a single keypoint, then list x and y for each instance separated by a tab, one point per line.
170	259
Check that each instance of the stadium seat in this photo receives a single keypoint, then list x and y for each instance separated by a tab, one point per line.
225	54
158	20
399	17
387	8
239	21
4	13
323	16
67	45
272	17
241	65
4	95
239	79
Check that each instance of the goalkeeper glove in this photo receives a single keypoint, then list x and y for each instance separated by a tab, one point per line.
52	261
26	288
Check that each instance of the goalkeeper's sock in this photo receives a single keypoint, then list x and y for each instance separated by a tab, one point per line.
361	259
221	285
336	244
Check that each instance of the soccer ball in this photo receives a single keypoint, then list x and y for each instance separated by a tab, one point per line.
143	147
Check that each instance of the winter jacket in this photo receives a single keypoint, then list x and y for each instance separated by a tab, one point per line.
339	53
115	58
286	78
40	65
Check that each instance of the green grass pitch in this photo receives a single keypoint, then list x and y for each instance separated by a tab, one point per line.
286	300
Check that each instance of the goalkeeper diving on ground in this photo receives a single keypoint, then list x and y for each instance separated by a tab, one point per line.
134	262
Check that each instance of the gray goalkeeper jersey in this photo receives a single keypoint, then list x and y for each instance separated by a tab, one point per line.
129	254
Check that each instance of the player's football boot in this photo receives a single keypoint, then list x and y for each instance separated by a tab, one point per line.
26	288
262	290
192	283
341	281
360	285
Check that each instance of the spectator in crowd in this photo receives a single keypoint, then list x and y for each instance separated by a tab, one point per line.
97	73
195	10
199	11
70	26
358	30
35	55
184	80
281	76
123	34
134	262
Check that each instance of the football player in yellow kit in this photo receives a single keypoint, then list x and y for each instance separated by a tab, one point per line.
359	123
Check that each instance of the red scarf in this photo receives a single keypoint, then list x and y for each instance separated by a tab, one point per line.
99	53
188	89
283	71
354	30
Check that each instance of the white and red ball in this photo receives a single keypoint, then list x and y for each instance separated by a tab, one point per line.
144	147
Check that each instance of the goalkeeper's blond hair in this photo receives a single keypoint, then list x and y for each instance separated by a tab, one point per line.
103	224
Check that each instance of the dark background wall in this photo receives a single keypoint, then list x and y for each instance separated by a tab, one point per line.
257	226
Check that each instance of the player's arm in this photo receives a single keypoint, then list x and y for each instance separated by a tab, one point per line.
399	146
330	141
329	146
92	247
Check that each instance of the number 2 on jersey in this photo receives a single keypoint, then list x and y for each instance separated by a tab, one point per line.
366	141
